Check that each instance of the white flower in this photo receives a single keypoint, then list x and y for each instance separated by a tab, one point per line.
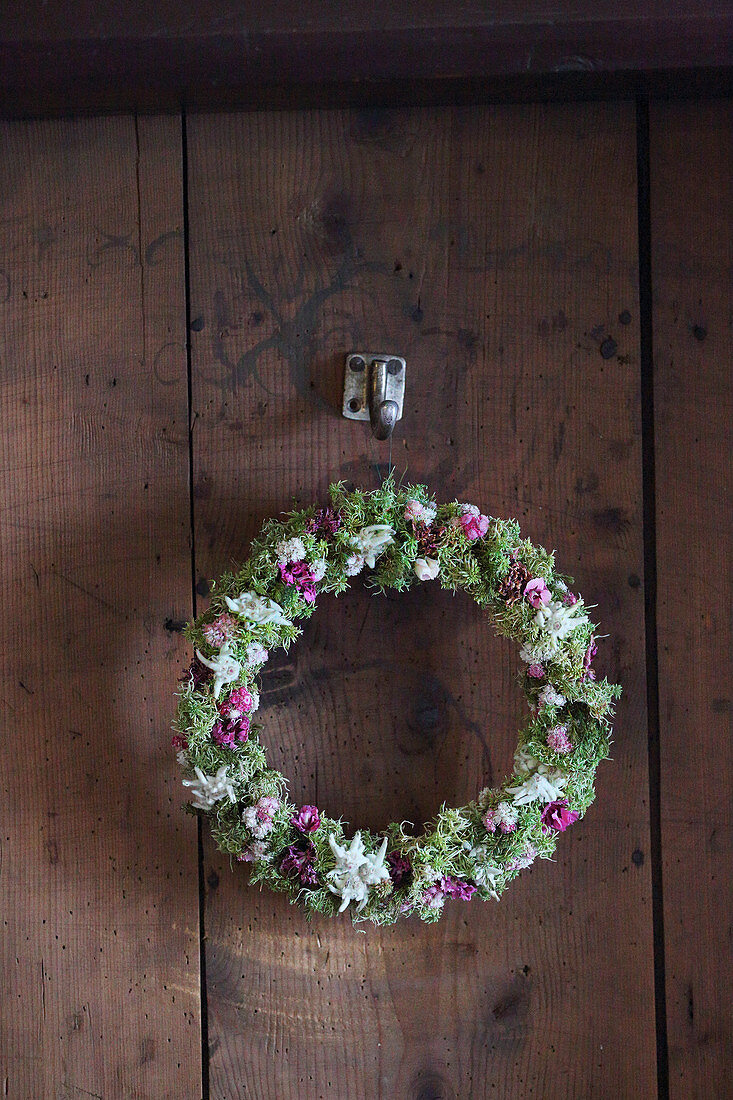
536	653
356	871
354	564
225	667
524	761
182	758
469	510
318	569
208	789
426	569
544	785
420	513
558	620
290	550
256	654
549	697
257	609
485	873
371	542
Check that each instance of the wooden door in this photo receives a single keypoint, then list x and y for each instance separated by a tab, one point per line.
496	249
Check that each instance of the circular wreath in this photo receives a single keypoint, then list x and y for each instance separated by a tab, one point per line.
402	538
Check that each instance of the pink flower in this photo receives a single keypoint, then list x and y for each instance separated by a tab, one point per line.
537	593
220	631
400	868
230	733
474	527
299	863
503	817
256	850
178	743
569	599
526	859
258	818
556	815
590	653
326	521
457	888
237	704
298	573
558	739
307	819
536	671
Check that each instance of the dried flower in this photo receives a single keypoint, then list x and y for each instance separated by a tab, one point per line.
299	863
526	859
256	655
371	542
512	587
220	630
549	697
257	609
298	574
354	564
474	524
289	550
325	521
356	870
557	739
307	819
504	817
208	789
225	666
418	513
556	815
558	621
400	869
426	569
258	818
457	888
536	592
536	672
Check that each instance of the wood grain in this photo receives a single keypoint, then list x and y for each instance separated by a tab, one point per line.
692	230
98	872
496	248
162	55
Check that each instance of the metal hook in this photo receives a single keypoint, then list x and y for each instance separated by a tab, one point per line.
374	390
382	412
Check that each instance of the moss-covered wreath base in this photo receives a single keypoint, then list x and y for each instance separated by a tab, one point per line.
396	537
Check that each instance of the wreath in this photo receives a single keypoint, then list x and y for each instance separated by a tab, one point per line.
399	537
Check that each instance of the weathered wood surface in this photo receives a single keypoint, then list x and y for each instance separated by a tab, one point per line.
98	867
692	231
163	55
497	250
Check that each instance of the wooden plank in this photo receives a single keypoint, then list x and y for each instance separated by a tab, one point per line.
209	53
98	876
496	250
692	229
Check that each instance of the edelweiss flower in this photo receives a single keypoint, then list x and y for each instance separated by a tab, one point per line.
544	785
485	873
257	609
558	620
356	871
208	789
371	542
225	667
